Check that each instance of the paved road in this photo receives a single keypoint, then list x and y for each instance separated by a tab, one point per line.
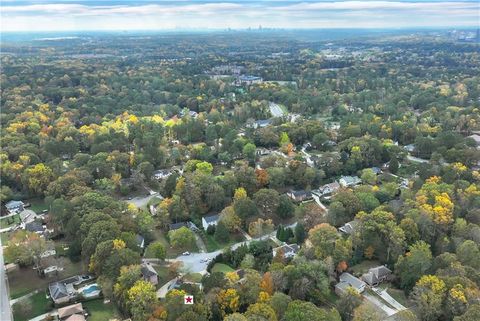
275	109
5	310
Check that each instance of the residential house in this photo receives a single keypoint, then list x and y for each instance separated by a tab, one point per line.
27	216
140	241
289	250
299	196
72	312
149	274
476	138
377	275
347	280
14	207
161	174
349	181
249	80
61	292
377	170
409	148
262	151
259	123
176	226
349	227
329	189
36	226
211	220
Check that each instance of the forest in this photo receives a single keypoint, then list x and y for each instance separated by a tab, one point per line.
256	171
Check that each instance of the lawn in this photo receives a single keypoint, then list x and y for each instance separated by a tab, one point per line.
100	311
400	296
213	245
10	221
37	205
25	280
363	267
220	267
36	305
193	277
164	274
154	201
172	252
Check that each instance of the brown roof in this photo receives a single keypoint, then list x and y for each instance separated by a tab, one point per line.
76	317
69	310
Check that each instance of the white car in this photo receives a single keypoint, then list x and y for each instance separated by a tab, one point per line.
186	253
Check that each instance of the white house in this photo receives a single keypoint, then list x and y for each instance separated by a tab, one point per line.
209	221
347	280
14	207
349	181
289	250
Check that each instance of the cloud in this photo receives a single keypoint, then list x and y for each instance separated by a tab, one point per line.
99	15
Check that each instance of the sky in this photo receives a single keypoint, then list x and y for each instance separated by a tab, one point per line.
71	15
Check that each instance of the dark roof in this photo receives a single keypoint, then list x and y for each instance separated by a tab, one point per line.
301	193
211	218
263	122
57	290
35	226
148	270
176	226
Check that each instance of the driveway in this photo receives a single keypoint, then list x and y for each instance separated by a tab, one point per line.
162	292
5	310
389	299
143	201
378	303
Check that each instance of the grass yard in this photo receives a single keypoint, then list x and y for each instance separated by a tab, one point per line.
36	305
193	277
10	221
100	311
363	267
154	201
400	296
220	267
164	274
213	245
25	280
172	252
37	205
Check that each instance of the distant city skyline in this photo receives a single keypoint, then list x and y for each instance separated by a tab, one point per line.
70	15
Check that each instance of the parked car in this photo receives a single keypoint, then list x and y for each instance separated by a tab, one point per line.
186	253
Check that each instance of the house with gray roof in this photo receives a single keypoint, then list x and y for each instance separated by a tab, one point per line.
149	274
349	181
377	275
14	206
347	280
211	220
349	227
289	250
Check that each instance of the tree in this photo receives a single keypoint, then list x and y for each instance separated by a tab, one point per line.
230	219
267	201
260	312
249	151
182	238
25	247
300	233
141	300
428	294
245	208
157	250
472	313
469	254
267	283
129	275
300	311
414	264
285	208
323	237
235	317
366	312
393	165
368	176
38	177
260	227
221	234
279	302
348	302
229	301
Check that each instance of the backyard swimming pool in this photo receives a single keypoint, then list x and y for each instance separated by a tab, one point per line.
90	291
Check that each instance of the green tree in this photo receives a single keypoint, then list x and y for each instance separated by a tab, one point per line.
267	201
429	294
141	299
366	312
182	238
157	250
221	234
348	302
393	165
301	311
411	266
469	254
249	151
